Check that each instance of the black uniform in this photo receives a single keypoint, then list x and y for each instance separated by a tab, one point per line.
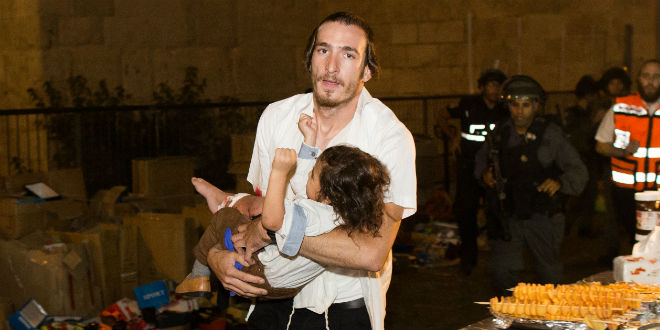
476	120
529	218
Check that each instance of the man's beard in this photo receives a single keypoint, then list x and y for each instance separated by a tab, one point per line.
324	99
649	97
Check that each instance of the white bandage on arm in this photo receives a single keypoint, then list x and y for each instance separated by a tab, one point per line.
231	200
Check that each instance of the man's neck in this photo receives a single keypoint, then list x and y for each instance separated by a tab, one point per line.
651	106
489	104
331	120
521	130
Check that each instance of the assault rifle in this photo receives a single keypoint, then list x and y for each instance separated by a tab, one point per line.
498	211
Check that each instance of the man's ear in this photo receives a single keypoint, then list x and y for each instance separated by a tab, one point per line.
366	74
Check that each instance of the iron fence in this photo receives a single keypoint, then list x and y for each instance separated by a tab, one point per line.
103	141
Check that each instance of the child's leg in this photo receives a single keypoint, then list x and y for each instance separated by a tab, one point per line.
197	282
214	235
199	270
213	195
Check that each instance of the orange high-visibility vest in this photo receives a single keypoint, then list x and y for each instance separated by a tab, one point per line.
632	122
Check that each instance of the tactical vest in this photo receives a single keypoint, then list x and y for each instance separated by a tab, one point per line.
524	172
476	121
640	170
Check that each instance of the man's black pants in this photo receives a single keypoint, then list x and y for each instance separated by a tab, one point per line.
274	314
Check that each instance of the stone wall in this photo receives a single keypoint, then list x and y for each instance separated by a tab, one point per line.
252	50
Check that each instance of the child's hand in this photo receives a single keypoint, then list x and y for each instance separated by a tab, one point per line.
284	160
307	126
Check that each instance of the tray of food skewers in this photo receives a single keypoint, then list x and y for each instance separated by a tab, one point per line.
579	306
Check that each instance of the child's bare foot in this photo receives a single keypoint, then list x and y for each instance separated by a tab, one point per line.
213	195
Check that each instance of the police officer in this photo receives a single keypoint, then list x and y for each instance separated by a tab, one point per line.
537	166
478	114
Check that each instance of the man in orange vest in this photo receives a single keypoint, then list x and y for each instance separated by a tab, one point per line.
630	134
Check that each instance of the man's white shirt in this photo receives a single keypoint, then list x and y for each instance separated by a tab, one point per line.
374	129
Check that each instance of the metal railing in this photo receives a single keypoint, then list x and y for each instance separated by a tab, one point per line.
103	141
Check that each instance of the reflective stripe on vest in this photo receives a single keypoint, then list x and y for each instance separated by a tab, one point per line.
472	137
647	153
629	109
627	178
477	132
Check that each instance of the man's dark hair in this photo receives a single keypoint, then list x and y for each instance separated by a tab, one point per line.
615	73
355	184
587	85
491	75
347	19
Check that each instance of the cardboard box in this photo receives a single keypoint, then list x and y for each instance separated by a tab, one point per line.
128	259
102	242
242	146
69	183
22	216
15	184
19	217
200	214
161	204
57	275
114	204
240	171
6	310
164	246
104	204
163	176
636	269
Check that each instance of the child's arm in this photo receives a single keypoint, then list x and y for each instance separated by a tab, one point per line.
307	126
273	211
306	156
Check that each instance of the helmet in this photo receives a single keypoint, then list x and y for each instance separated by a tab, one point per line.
491	75
520	86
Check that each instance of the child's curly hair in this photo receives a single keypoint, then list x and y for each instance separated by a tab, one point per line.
354	183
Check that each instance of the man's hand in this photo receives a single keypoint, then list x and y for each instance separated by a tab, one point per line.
549	186
250	206
488	178
250	238
232	279
632	147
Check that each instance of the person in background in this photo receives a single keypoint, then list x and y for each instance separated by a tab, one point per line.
630	135
531	164
614	82
479	114
581	124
